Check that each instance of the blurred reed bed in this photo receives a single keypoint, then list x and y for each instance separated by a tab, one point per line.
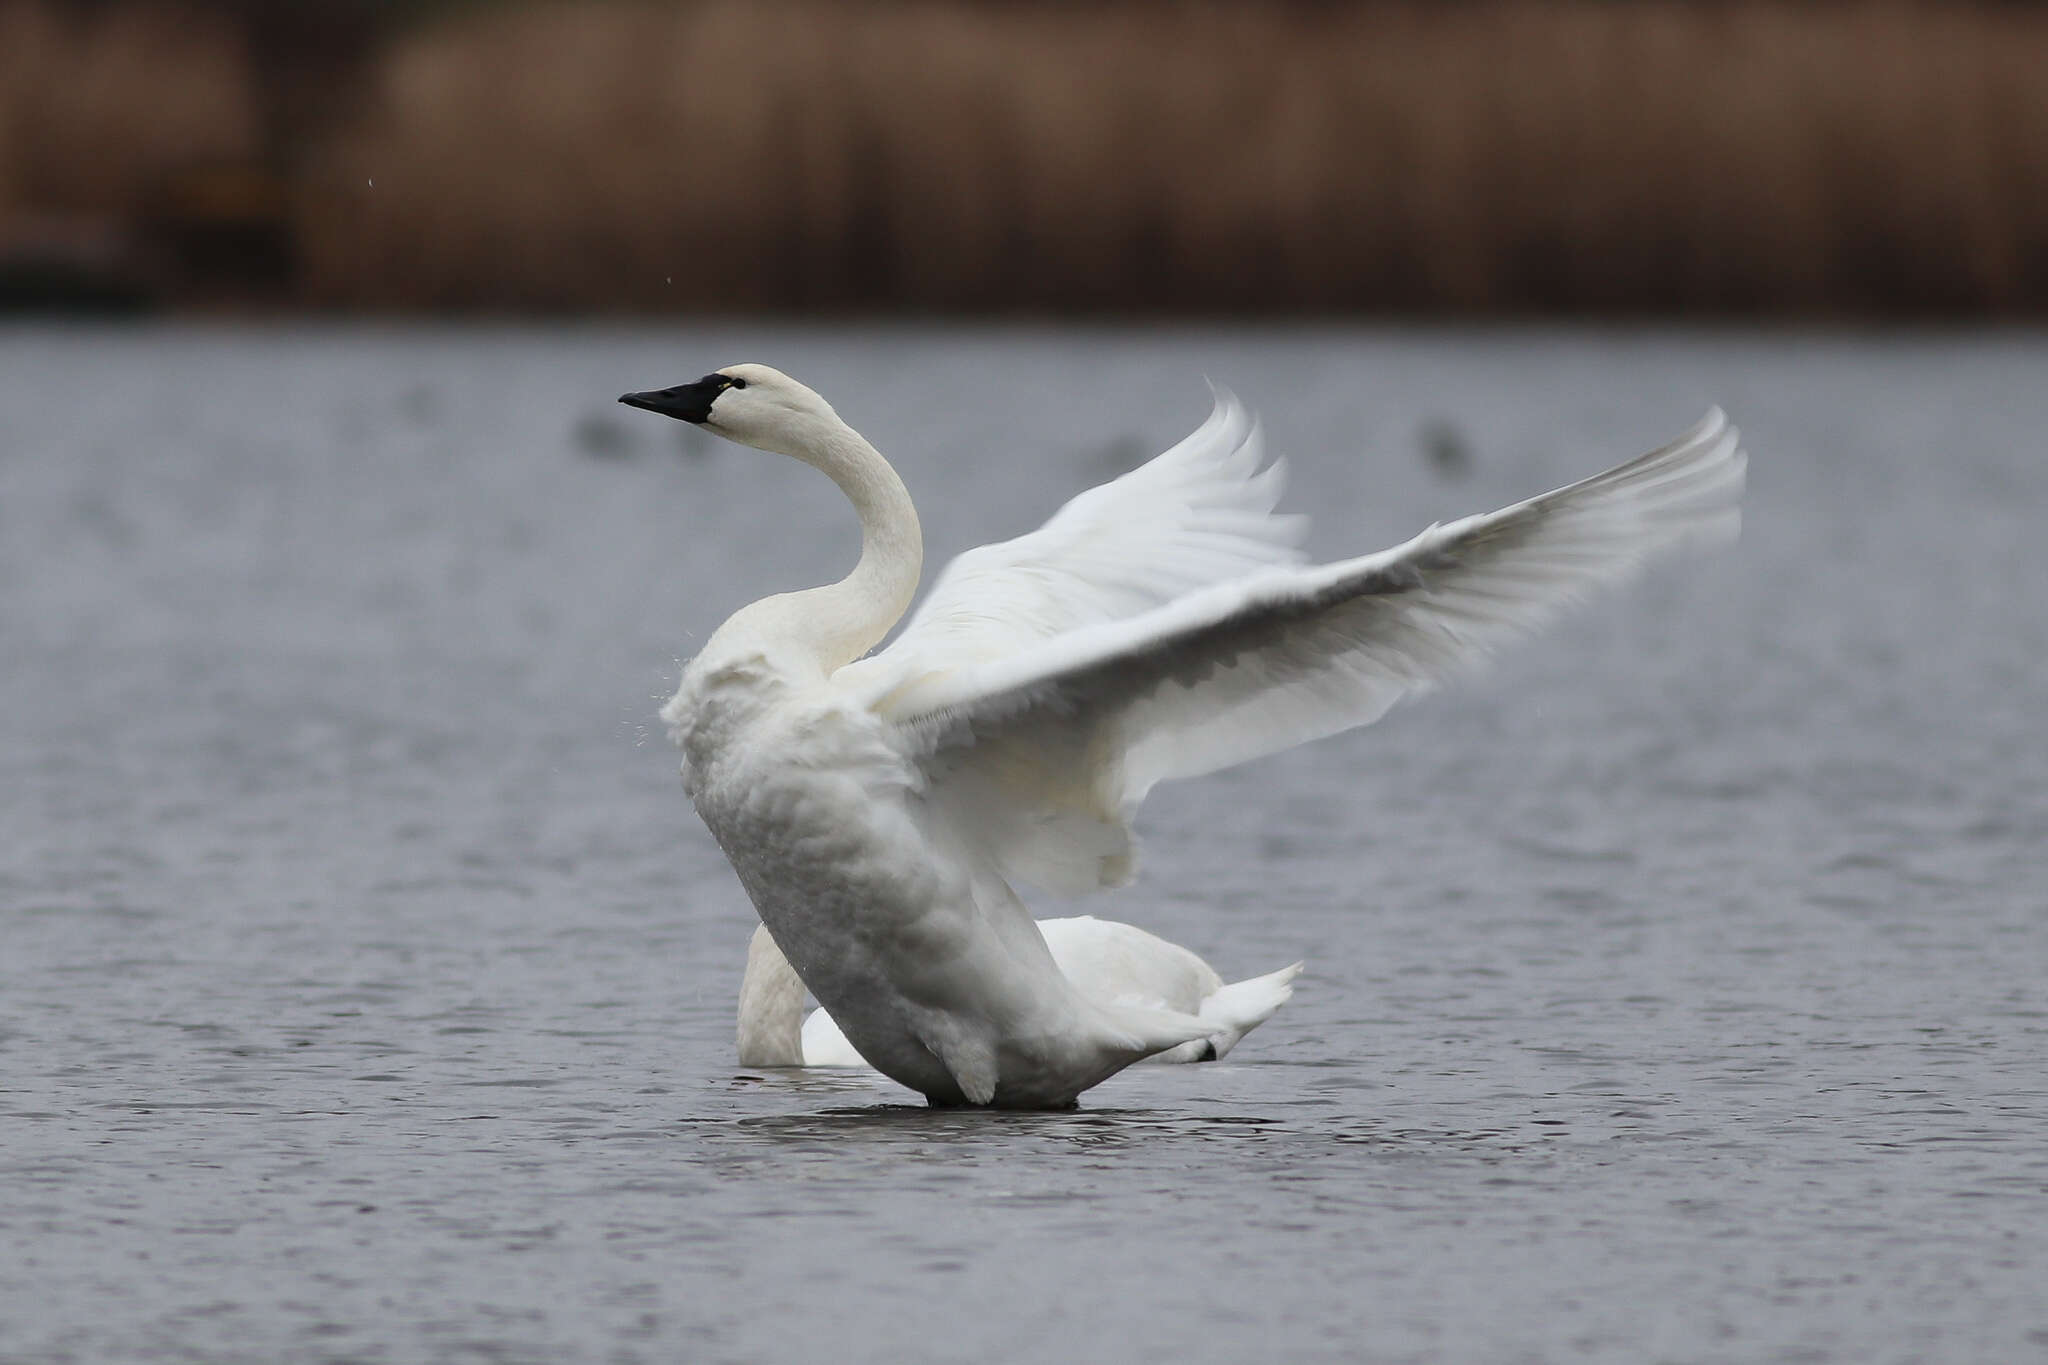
98	106
1494	156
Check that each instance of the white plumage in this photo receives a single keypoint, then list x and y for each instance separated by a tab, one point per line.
1106	960
879	809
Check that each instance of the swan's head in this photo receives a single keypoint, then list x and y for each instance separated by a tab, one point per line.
752	404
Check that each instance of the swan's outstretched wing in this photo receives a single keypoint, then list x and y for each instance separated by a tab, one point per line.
1042	756
1199	514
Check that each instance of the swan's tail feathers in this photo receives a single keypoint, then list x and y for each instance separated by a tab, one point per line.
1242	1006
1145	1030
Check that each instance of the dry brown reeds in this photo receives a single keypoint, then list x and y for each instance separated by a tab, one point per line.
98	105
1866	156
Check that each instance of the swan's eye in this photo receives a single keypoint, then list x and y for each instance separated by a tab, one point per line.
737	383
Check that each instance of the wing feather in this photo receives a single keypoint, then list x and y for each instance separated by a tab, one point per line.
1050	748
1200	513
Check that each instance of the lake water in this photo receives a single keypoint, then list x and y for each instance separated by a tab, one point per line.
1676	992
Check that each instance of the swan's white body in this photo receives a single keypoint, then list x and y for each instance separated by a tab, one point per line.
1108	961
878	809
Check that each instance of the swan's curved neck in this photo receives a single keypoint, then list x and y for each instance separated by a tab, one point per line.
841	621
771	1027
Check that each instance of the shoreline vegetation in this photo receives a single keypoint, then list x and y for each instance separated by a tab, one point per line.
1760	158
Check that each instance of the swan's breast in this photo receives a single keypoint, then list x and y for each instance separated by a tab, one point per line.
808	798
818	809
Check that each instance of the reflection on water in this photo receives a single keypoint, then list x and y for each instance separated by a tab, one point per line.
850	1132
1673	993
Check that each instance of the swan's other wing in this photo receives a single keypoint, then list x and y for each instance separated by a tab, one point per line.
1045	754
1199	514
825	1045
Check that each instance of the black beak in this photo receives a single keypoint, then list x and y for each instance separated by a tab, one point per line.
689	402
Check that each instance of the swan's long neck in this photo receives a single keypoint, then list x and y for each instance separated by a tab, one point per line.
771	1027
841	621
863	606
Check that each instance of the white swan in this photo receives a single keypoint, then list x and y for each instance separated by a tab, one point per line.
1163	625
1107	960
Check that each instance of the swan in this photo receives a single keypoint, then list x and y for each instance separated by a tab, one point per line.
878	807
1105	959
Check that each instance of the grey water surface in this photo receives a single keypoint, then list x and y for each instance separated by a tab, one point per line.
1677	992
